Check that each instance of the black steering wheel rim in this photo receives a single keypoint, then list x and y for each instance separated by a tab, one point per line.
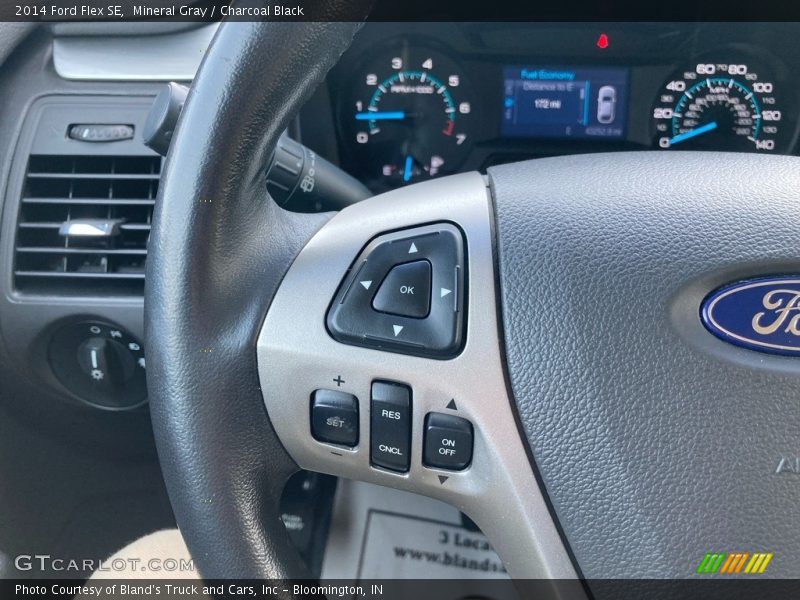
218	249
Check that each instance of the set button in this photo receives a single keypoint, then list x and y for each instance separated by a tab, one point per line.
334	417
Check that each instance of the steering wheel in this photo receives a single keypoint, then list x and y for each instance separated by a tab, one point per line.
551	374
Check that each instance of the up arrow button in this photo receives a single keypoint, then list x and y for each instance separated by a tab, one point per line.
406	290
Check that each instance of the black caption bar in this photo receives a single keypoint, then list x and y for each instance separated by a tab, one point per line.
397	10
393	589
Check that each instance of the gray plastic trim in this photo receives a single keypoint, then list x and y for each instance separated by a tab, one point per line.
172	57
296	355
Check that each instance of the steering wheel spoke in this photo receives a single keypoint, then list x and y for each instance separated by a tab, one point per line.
298	356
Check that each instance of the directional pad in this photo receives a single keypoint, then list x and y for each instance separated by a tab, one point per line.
404	293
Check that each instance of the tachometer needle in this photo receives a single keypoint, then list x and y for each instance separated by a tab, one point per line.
407	169
393	115
687	135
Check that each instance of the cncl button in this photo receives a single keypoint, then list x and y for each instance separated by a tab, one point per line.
448	442
390	424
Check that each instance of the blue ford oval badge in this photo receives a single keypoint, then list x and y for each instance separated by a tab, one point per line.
761	314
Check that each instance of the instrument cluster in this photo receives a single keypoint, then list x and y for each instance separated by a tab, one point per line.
442	98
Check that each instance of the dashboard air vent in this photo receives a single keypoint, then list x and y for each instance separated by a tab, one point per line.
83	224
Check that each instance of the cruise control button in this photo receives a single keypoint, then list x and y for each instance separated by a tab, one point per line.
406	290
334	417
448	442
390	424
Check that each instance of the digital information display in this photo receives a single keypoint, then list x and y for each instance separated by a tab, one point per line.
564	102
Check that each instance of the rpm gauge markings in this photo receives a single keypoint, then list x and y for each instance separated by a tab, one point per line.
410	118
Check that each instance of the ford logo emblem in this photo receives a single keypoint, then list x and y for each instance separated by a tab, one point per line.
761	314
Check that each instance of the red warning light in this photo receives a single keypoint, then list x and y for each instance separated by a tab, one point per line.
602	41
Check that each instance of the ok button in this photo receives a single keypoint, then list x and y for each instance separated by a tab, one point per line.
406	290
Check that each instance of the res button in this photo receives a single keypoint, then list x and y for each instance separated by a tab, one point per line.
390	423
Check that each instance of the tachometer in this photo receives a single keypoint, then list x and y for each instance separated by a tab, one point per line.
721	106
410	118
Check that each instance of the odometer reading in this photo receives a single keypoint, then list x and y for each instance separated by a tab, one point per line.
718	107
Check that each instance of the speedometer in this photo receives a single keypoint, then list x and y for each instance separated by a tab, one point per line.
721	106
410	117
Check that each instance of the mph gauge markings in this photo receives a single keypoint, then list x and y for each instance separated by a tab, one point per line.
718	106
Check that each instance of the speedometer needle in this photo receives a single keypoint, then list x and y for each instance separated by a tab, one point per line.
393	115
687	135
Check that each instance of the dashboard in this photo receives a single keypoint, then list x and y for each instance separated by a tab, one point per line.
412	101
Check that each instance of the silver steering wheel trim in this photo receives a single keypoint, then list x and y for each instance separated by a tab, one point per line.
297	355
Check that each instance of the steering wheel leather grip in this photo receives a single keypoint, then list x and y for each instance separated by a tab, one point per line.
218	250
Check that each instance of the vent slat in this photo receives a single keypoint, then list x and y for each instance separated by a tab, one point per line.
109	251
54	225
98	201
118	189
39	225
78	275
97	176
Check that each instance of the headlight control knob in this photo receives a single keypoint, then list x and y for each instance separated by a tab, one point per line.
99	363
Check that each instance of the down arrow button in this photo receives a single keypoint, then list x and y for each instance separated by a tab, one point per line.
406	290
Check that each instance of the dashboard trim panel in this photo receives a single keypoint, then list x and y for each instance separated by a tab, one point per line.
173	57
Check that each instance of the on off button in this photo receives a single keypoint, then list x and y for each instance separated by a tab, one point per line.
448	442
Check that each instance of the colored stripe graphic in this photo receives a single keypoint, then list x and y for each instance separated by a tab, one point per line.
729	562
741	562
717	563
732	563
752	564
758	563
701	568
764	564
710	563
